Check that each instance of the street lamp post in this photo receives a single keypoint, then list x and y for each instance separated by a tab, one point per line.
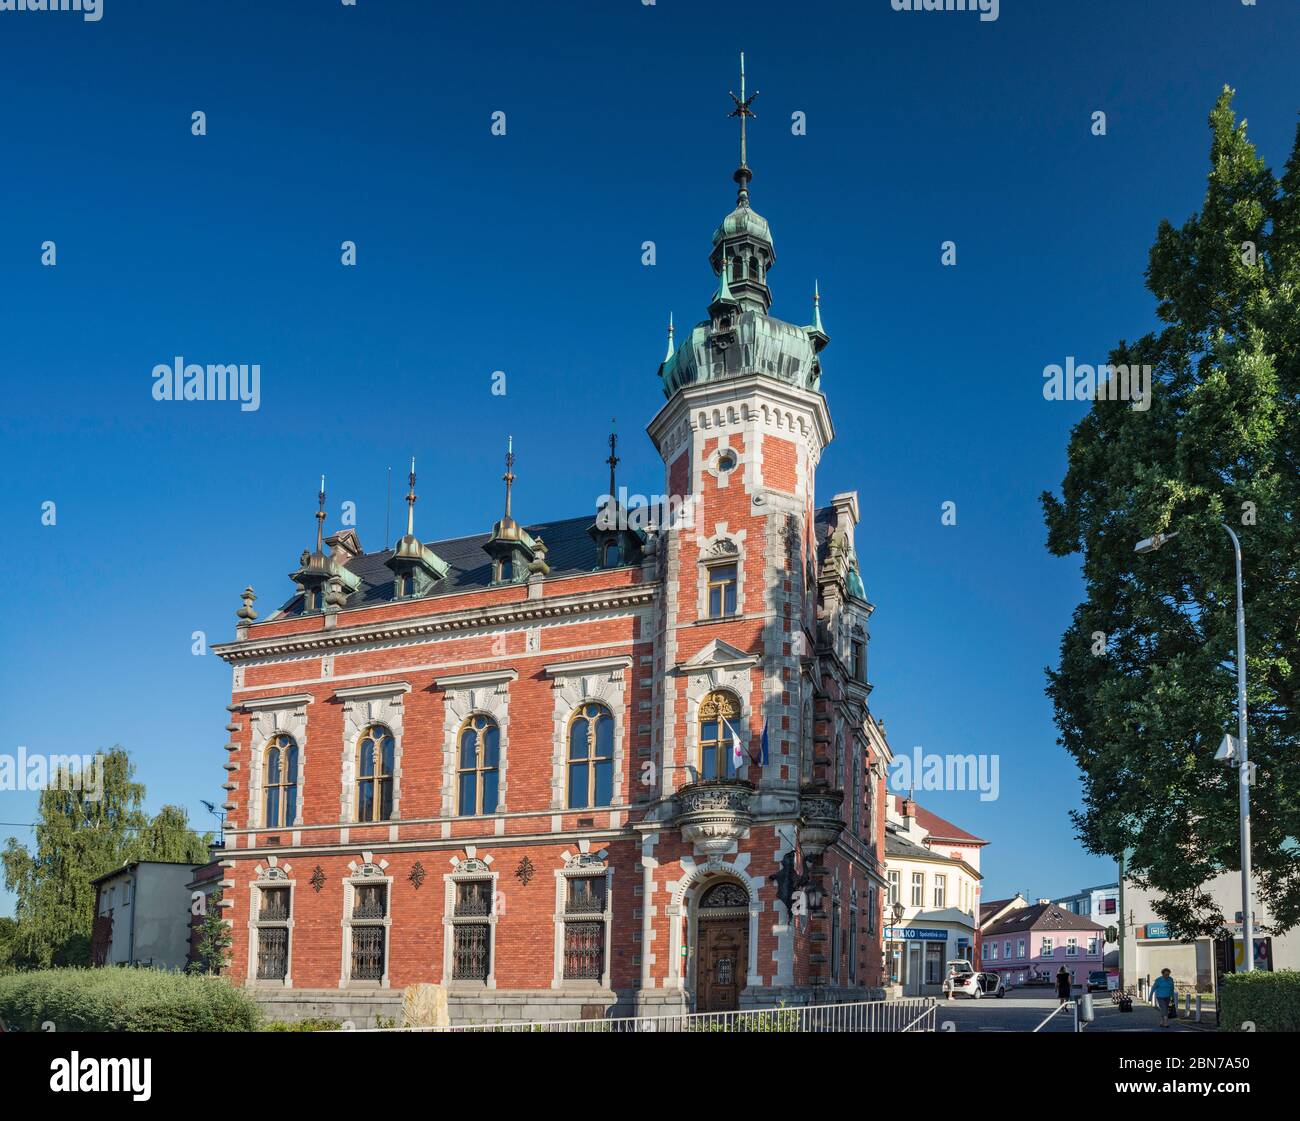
1150	545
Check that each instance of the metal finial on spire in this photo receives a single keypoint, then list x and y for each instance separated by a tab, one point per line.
670	337
817	306
320	516
410	503
613	459
509	476
743	110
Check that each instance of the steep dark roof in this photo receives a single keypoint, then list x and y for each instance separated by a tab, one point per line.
570	551
991	907
1043	917
898	845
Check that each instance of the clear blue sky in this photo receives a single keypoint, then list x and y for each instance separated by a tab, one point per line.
522	254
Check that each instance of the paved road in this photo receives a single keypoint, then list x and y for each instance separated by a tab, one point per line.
1023	1011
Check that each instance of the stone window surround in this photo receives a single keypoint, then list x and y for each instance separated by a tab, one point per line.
273	716
706	676
364	705
593	681
472	867
274	875
367	872
582	865
724	547
466	695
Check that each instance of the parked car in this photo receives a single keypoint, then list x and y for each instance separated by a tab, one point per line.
964	980
1097	982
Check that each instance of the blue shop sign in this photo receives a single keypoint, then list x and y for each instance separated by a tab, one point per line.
1157	930
916	934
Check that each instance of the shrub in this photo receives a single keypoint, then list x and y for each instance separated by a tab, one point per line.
311	1023
124	1000
1268	1001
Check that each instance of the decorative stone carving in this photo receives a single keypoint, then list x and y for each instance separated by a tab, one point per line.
821	821
713	816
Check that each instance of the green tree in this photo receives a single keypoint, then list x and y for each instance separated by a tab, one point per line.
81	834
212	947
1219	443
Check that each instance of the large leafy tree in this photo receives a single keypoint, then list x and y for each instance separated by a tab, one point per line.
1219	443
82	834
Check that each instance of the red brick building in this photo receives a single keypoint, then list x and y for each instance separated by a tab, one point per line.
532	766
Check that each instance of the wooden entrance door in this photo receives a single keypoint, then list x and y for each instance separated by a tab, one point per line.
722	963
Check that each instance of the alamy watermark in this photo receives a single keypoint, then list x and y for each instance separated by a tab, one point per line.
189	381
92	11
1082	382
988	9
925	771
36	771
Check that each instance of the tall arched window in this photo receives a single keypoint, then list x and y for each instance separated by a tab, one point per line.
375	774
280	779
719	716
591	757
477	769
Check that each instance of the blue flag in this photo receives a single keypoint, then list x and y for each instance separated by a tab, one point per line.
764	755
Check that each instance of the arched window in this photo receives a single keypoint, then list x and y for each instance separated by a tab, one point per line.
613	555
478	760
719	714
375	774
725	896
280	779
591	757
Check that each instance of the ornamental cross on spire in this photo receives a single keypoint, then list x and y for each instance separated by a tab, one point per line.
742	109
613	459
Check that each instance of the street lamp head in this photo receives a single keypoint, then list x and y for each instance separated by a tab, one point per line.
1154	542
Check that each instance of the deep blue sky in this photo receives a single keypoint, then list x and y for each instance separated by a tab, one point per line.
522	254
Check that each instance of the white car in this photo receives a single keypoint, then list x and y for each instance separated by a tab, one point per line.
963	979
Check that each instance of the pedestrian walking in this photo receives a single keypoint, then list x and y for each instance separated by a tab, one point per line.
1164	992
951	982
1063	984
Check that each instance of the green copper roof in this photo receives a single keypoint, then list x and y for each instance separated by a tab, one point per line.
744	220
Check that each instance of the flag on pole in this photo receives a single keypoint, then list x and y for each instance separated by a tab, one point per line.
737	755
763	752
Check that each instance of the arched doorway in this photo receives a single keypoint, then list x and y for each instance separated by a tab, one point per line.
722	930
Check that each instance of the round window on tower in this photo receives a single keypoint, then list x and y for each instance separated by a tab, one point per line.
726	460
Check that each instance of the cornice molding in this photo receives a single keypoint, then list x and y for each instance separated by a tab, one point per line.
361	692
287	700
590	665
589	603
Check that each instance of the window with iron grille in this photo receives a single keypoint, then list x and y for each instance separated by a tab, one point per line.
584	928
368	953
369	931
271	914
272	953
275	904
472	933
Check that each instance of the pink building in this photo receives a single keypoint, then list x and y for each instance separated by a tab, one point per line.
1029	944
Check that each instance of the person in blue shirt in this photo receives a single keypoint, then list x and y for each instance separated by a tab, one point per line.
1163	991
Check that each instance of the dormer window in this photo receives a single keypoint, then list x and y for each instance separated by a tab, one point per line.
613	555
311	600
505	571
406	585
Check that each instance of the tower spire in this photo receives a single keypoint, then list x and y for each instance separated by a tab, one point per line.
410	503
742	110
613	459
320	516
670	337
509	476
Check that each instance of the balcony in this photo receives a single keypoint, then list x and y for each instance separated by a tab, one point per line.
715	814
820	819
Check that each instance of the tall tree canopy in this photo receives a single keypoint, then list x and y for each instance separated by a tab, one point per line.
1220	443
78	837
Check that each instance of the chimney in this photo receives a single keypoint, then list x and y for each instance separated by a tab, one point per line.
1043	902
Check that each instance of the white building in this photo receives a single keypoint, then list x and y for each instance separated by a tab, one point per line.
1101	904
933	871
142	915
1146	946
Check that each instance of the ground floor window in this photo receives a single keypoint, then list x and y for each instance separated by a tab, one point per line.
584	928
273	933
895	962
369	931
471	958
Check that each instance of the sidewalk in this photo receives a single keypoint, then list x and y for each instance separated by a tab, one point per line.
1146	1018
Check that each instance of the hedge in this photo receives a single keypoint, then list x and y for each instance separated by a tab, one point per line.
115	999
1266	1001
